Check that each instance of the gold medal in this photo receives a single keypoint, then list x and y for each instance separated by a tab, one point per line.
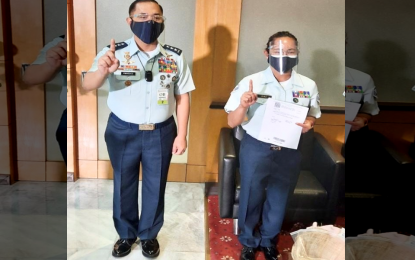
127	83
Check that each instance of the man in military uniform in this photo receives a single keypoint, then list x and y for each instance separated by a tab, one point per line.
148	81
268	172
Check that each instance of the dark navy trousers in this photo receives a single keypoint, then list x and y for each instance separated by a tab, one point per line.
128	147
61	135
267	178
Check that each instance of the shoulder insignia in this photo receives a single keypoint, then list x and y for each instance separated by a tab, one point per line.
173	49
119	45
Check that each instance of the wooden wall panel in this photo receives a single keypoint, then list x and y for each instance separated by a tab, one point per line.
30	119
55	171
2	68
331	119
331	126
396	124
70	148
88	169
213	72
105	170
177	172
69	120
196	173
71	95
4	150
218	118
385	116
31	171
202	72
30	101
4	129
225	50
333	133
401	135
85	52
3	107
8	134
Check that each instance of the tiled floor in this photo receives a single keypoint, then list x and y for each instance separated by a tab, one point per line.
91	233
33	221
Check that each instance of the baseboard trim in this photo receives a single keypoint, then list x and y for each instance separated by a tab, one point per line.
69	177
4	179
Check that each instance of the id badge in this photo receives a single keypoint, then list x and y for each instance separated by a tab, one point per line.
127	72
262	98
163	96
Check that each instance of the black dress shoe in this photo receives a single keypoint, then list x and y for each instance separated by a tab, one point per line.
150	247
271	253
247	253
122	247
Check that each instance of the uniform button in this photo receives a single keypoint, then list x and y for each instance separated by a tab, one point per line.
146	107
148	92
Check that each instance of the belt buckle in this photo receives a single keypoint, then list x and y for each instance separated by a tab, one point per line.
275	147
146	127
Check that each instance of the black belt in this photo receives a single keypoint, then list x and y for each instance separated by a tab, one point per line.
143	127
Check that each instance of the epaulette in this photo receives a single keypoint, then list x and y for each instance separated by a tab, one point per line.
173	49
119	45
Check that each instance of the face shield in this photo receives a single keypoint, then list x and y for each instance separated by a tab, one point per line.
283	56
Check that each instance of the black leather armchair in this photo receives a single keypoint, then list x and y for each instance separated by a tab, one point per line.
379	188
317	190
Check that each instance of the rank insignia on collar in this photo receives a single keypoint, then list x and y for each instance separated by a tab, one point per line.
119	45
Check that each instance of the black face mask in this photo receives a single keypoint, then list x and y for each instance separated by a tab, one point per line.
147	31
287	63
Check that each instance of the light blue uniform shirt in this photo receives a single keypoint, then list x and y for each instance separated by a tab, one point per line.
61	77
360	88
138	103
298	87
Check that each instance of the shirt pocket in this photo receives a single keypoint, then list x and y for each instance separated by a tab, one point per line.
167	80
354	97
305	102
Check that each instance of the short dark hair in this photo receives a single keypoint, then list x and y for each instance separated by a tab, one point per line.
132	5
279	35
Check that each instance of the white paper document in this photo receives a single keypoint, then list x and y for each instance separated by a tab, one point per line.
278	125
351	109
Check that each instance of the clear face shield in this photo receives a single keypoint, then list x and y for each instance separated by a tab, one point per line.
283	56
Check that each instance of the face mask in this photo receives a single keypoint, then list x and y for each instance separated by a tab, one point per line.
147	31
288	62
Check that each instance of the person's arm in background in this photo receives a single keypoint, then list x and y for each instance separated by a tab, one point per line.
237	116
42	73
361	120
107	64
367	110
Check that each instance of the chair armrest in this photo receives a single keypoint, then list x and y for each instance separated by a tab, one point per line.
227	170
399	157
329	168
